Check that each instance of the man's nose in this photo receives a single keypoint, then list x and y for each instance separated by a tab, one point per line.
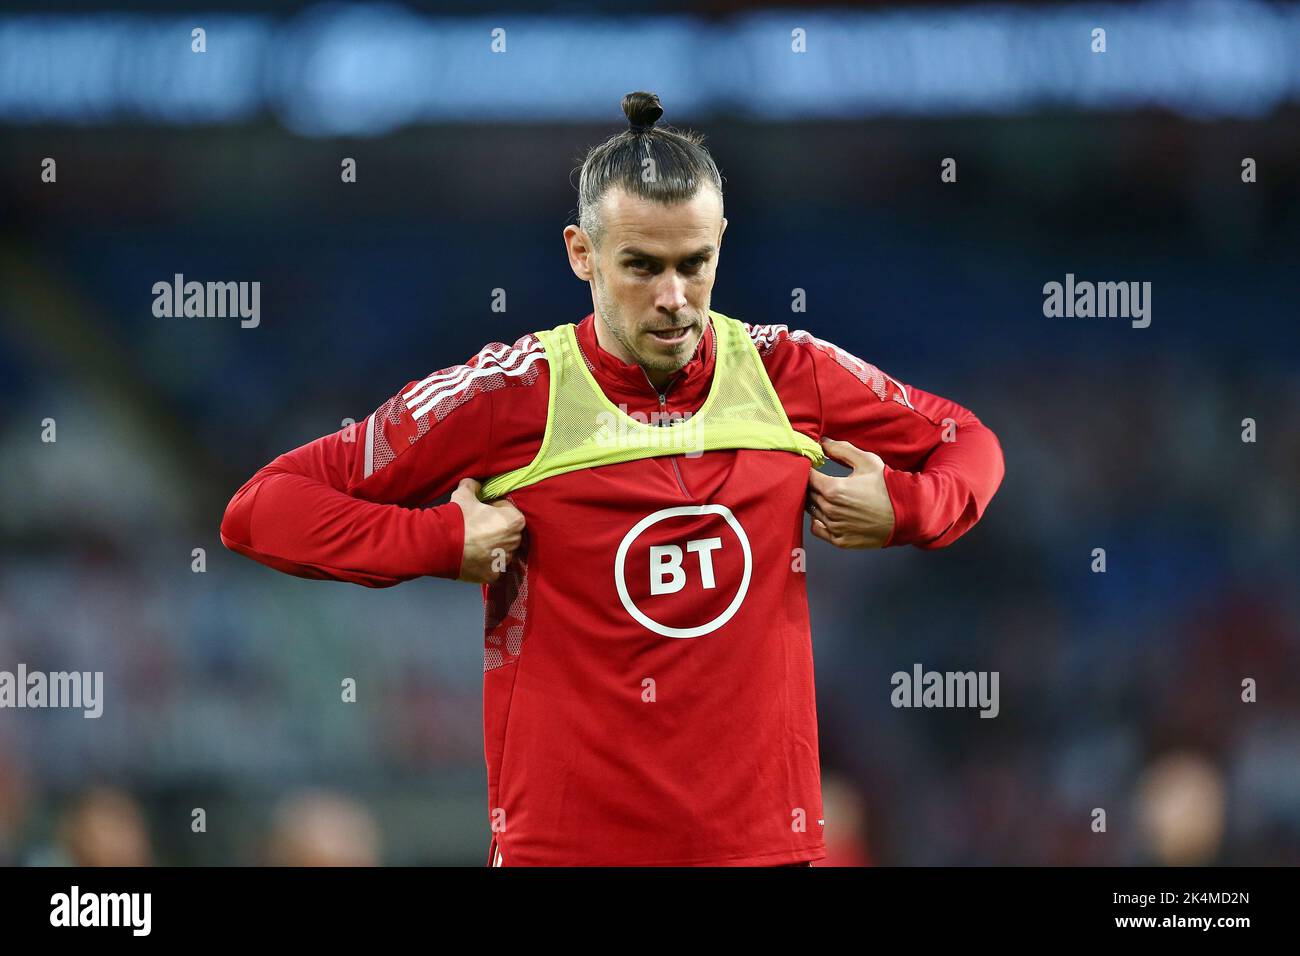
671	295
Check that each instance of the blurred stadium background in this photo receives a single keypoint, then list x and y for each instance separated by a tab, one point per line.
1118	690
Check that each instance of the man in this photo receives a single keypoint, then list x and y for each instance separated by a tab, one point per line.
648	678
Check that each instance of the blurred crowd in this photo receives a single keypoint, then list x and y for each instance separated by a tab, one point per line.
1122	737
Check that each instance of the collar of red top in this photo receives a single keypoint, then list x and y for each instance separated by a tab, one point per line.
629	380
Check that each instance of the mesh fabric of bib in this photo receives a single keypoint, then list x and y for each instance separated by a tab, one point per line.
584	429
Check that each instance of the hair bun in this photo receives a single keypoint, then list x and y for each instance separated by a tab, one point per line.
642	110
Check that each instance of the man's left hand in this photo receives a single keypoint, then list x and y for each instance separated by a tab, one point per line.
853	511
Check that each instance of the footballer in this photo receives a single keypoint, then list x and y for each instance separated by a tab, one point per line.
648	694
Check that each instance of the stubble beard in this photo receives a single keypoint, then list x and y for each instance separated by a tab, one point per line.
613	319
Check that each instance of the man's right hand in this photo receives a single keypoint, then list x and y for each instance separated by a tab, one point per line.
492	533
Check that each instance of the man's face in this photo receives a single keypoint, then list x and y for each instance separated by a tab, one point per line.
652	276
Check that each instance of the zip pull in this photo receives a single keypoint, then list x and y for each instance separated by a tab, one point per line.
655	388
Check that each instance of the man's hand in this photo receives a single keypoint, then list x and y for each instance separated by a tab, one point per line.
854	511
492	533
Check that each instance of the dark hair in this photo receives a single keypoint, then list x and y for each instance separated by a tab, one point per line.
680	163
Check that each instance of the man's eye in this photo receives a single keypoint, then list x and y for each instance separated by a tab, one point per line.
694	263
637	264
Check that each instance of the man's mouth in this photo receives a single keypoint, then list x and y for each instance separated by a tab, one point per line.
671	336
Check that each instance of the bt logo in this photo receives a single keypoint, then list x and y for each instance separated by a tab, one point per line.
666	574
670	568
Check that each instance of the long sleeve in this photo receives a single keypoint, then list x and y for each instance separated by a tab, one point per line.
348	506
942	464
295	516
939	500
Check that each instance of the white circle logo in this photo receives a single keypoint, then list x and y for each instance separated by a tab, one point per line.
684	510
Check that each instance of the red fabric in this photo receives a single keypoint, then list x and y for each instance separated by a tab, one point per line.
721	766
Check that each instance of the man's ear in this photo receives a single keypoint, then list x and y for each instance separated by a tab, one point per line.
721	231
581	251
